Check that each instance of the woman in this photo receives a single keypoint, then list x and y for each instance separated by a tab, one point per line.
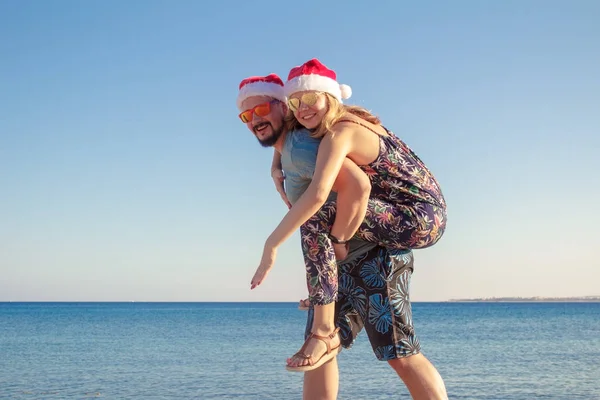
406	208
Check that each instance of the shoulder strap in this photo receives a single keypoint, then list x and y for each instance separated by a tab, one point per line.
361	124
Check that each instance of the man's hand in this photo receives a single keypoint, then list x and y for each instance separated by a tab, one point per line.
341	251
278	179
266	264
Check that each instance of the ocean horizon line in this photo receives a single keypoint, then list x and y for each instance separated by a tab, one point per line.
536	299
178	301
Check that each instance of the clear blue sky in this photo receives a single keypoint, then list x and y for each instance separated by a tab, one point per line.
126	175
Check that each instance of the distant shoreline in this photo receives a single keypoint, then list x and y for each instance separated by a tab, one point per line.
583	299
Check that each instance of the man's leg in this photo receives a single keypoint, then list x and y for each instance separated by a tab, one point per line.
420	377
383	279
322	383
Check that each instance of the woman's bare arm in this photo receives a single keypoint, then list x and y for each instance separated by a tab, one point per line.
330	158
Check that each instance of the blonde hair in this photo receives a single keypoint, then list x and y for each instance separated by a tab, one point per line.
336	111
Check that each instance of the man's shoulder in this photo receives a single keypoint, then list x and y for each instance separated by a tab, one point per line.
303	148
302	134
299	155
299	140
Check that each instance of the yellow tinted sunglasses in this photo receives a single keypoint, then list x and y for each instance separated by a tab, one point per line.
262	110
310	99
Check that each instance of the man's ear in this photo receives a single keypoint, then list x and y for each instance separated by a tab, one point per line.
284	108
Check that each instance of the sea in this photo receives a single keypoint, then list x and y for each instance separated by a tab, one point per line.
237	351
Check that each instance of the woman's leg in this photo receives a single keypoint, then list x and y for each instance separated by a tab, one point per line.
322	283
323	325
394	226
353	189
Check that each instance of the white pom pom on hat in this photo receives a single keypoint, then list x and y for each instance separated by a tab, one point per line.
314	75
346	91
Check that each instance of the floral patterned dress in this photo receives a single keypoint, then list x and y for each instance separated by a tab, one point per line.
406	210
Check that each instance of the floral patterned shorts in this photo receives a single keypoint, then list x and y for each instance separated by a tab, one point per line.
374	294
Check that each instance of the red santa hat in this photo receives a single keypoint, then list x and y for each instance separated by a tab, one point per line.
270	85
313	75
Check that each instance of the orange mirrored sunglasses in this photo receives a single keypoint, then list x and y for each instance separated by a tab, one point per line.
310	99
262	110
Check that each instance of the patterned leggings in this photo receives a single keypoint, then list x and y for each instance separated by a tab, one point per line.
396	226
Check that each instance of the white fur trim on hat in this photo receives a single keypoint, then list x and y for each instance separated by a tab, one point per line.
260	89
318	83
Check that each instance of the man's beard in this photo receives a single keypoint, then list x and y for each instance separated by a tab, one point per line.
270	141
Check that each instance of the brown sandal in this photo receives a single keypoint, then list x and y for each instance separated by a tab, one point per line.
330	354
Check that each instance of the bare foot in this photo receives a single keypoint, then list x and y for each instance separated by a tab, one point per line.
315	348
304	304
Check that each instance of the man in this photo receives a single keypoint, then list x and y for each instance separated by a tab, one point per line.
373	281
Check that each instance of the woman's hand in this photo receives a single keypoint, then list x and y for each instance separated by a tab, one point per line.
266	264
